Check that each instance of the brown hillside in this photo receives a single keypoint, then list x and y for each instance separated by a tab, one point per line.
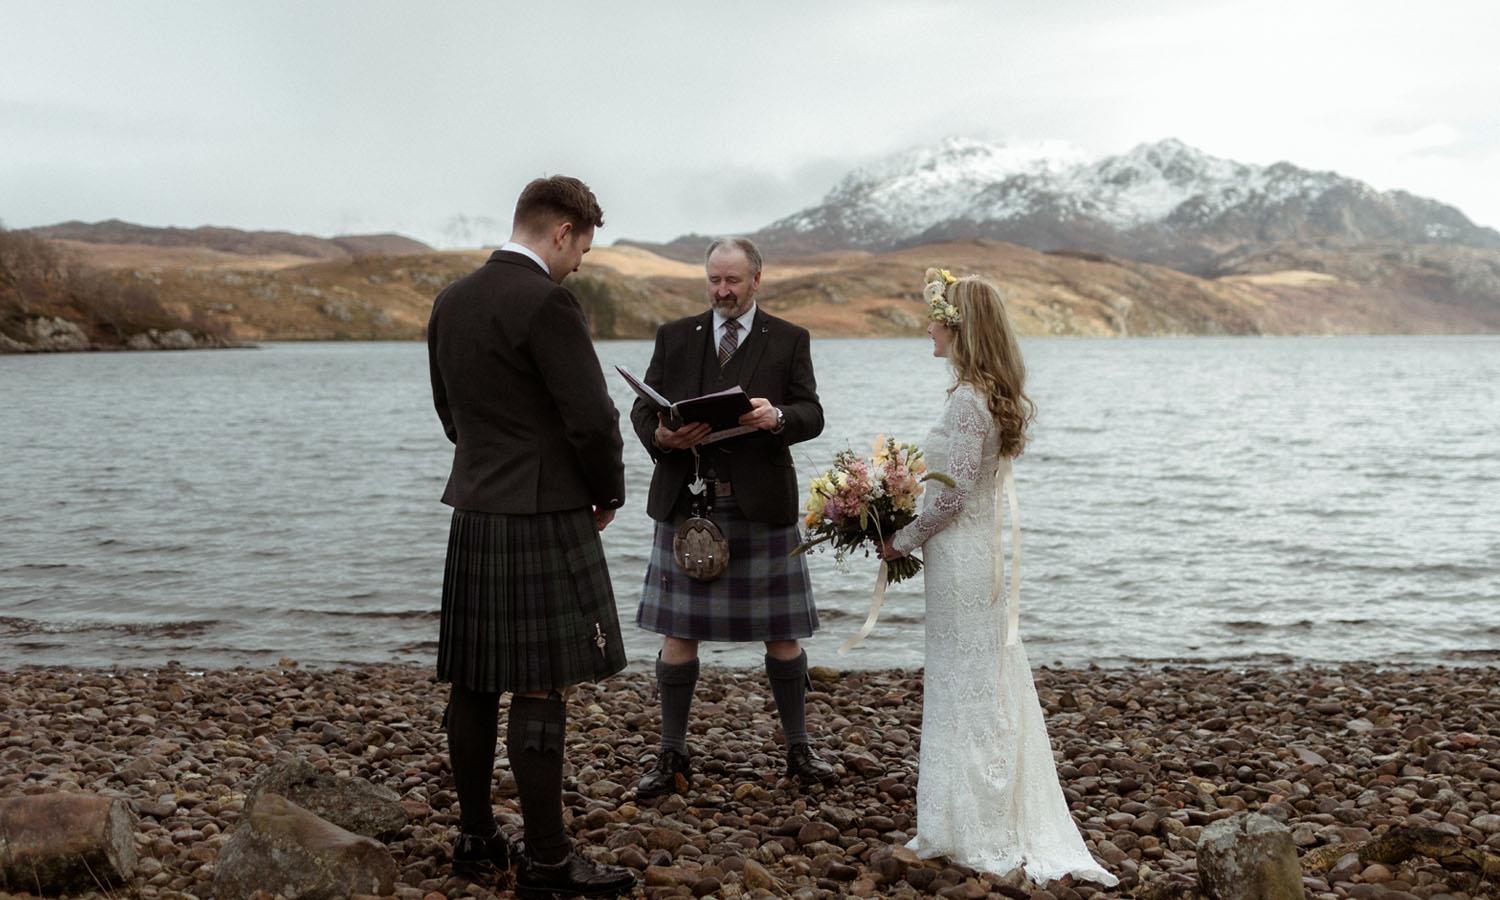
231	240
148	256
1065	293
629	291
50	301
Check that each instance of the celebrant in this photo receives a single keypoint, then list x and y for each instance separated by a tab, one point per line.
735	498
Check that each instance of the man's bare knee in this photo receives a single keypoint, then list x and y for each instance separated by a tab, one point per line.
783	649
676	651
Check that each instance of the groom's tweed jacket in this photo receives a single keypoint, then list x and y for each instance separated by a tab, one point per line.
521	394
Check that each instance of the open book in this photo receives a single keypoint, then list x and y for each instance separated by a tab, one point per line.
721	410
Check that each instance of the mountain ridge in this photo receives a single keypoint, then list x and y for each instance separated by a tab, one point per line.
230	240
1165	203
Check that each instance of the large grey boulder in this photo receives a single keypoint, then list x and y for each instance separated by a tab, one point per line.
281	848
57	843
175	339
47	333
1248	857
353	804
152	339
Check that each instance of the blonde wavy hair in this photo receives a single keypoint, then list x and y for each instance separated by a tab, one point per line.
984	353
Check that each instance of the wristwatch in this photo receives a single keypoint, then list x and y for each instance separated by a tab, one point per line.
780	421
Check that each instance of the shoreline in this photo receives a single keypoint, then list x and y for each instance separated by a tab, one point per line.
1147	757
825	662
259	343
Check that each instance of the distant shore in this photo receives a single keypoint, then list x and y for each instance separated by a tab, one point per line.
14	349
1147	757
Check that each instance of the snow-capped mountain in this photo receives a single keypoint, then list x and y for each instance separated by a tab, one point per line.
1166	203
905	194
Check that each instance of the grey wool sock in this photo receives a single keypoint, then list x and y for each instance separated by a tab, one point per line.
676	684
788	679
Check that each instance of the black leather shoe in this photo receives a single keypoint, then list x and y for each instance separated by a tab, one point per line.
482	858
805	766
575	876
663	779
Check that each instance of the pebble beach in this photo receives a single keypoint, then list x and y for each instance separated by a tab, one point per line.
1148	756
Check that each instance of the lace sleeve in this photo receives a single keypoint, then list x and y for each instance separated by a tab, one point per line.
966	422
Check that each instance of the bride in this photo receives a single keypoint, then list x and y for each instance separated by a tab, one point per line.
987	789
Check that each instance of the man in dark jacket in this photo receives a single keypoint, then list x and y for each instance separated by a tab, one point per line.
537	474
764	594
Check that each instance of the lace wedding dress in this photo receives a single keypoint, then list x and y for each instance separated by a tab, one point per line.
987	789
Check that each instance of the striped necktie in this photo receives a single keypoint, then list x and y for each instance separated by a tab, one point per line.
729	341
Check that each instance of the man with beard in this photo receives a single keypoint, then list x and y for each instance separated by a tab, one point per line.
537	474
764	594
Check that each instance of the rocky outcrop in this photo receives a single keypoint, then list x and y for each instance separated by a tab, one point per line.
281	848
174	339
353	804
62	842
43	334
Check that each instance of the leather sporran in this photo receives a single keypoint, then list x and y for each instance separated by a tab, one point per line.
700	548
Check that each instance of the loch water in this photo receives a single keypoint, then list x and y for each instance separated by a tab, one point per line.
1208	500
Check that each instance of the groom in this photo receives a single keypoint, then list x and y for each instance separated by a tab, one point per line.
537	474
764	594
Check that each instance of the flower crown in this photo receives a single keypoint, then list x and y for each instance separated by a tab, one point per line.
938	307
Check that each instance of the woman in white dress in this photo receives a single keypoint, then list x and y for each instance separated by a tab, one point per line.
987	789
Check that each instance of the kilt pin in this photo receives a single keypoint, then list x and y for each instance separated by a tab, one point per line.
527	603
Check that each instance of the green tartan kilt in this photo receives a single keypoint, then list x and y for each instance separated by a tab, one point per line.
526	599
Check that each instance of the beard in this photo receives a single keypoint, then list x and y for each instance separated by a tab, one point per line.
731	306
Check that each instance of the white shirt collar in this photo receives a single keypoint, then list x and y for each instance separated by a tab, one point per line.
513	247
744	320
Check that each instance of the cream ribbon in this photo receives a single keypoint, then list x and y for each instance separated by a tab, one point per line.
1005	474
876	602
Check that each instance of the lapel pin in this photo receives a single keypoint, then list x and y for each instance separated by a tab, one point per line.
699	328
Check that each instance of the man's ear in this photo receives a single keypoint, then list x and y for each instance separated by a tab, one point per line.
755	281
561	232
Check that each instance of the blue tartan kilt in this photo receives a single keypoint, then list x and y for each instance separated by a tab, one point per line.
526	601
764	594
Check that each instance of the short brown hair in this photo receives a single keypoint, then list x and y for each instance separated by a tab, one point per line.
547	201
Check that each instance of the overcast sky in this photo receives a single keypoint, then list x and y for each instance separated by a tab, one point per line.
331	117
